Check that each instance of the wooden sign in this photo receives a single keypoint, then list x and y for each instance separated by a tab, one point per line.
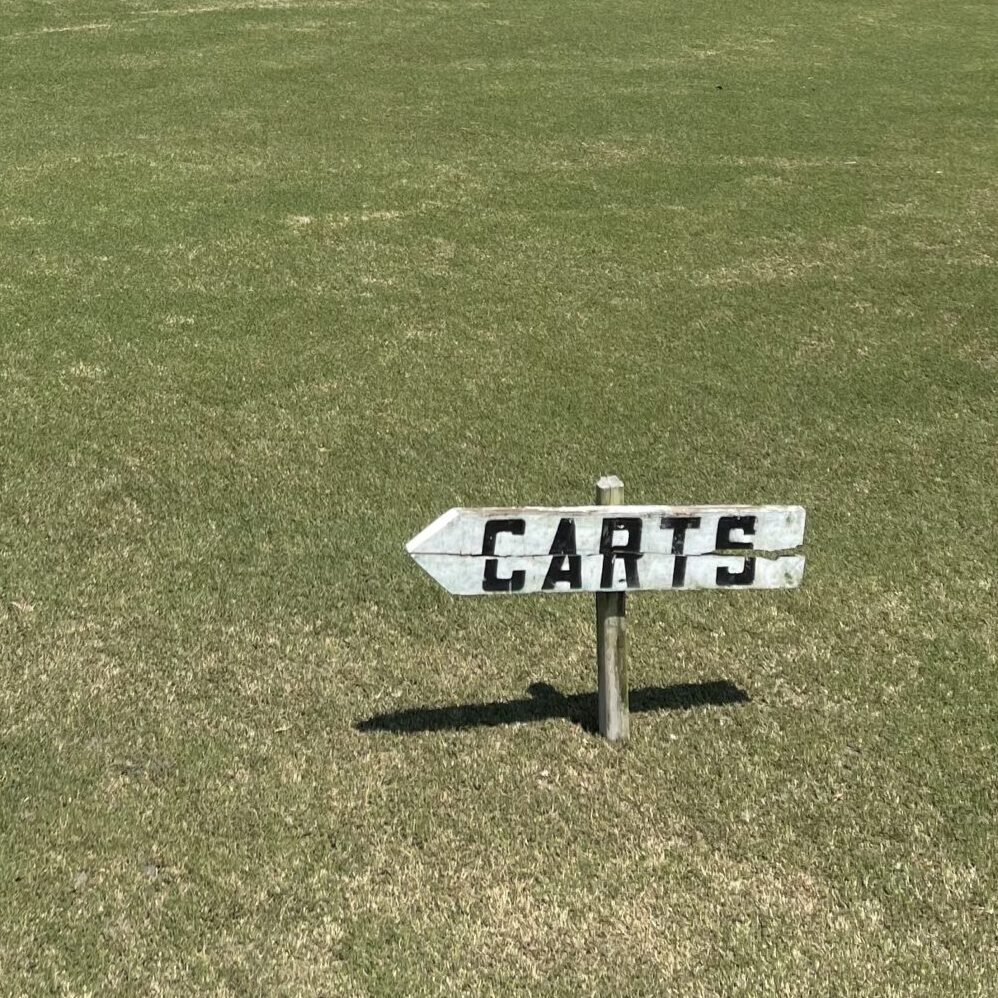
611	549
616	548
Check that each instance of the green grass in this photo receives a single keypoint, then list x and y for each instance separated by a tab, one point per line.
281	282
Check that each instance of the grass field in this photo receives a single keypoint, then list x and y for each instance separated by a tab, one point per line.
281	281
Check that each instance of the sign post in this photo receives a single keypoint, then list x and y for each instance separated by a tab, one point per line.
611	550
611	641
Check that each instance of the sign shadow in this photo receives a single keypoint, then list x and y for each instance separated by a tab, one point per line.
546	703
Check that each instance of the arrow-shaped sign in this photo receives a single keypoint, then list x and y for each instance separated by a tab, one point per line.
474	552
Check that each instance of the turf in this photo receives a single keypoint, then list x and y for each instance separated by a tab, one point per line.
282	281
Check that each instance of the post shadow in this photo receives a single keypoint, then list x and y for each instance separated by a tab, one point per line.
545	702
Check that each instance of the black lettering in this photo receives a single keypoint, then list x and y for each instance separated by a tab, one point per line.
566	565
491	583
679	572
726	525
629	552
679	525
564	538
564	568
495	527
725	577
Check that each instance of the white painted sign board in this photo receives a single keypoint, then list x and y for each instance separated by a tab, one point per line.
474	552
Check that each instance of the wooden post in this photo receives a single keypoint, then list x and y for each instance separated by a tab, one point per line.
611	663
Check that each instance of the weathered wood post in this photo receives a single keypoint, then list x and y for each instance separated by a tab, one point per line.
611	635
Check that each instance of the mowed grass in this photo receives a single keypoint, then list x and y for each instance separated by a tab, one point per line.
282	281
